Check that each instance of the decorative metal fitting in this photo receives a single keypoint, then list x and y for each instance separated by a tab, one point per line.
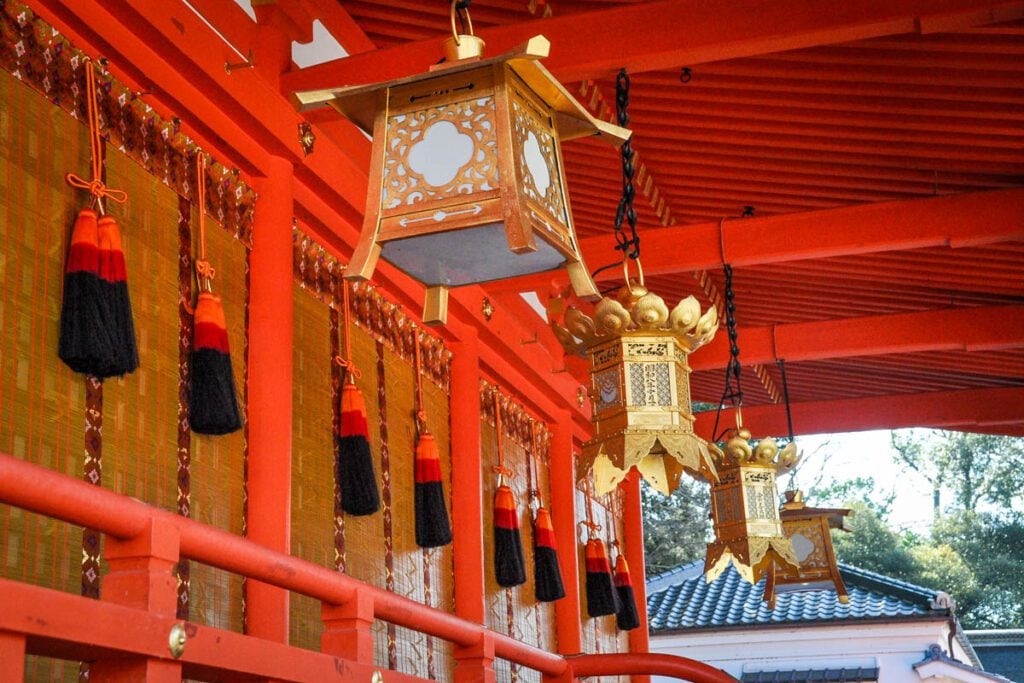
487	308
235	66
306	138
176	641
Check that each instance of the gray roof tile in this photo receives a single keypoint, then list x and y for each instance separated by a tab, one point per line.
682	599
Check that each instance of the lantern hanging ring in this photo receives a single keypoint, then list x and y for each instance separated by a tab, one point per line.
464	6
639	270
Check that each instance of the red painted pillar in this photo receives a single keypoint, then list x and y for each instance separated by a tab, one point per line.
467	484
270	392
633	522
348	629
563	519
475	664
142	576
12	654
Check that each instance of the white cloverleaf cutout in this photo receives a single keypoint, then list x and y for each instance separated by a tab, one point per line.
441	153
536	165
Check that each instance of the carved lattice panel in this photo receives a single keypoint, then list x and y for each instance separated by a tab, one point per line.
416	141
536	150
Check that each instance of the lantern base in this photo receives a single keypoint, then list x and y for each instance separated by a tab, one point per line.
753	557
661	457
468	256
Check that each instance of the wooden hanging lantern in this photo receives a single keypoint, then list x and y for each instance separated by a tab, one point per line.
744	508
466	179
640	386
808	530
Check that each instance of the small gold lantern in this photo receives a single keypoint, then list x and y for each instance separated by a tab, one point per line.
640	386
808	530
466	167
744	508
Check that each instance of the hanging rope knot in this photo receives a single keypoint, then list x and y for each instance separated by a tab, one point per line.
205	270
592	527
348	366
96	188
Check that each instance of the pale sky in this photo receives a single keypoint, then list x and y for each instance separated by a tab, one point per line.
866	454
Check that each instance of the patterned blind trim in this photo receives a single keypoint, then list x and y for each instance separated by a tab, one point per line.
37	54
514	418
320	273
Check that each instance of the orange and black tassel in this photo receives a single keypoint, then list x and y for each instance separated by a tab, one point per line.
213	400
85	342
97	333
602	598
547	575
432	526
626	616
509	564
356	478
114	277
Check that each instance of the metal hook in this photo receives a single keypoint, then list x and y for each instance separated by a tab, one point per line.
235	66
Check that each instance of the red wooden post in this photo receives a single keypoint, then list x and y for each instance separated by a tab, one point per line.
12	654
270	381
142	576
475	663
563	519
633	544
348	629
467	485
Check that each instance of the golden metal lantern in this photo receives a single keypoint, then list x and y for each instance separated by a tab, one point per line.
466	167
745	508
808	530
640	386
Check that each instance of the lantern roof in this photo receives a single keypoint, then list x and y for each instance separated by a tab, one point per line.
359	103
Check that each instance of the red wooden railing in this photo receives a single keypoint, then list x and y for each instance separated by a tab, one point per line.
130	626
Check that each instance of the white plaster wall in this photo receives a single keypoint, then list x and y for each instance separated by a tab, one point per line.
893	647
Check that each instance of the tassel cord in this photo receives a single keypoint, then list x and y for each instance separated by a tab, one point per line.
96	186
421	413
499	469
346	363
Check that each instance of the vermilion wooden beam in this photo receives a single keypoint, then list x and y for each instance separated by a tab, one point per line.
971	329
965	410
955	220
646	36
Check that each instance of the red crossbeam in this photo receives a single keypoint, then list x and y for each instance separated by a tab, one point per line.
962	220
982	409
646	36
968	329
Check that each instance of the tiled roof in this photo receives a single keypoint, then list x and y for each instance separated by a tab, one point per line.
812	675
682	599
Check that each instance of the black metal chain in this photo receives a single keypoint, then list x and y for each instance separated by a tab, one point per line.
785	397
733	392
629	246
460	10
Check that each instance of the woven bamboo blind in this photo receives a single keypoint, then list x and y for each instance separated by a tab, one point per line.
42	403
601	635
218	462
378	549
140	426
313	487
514	611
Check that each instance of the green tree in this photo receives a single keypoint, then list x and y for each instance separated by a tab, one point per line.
836	493
676	527
993	545
874	546
975	468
